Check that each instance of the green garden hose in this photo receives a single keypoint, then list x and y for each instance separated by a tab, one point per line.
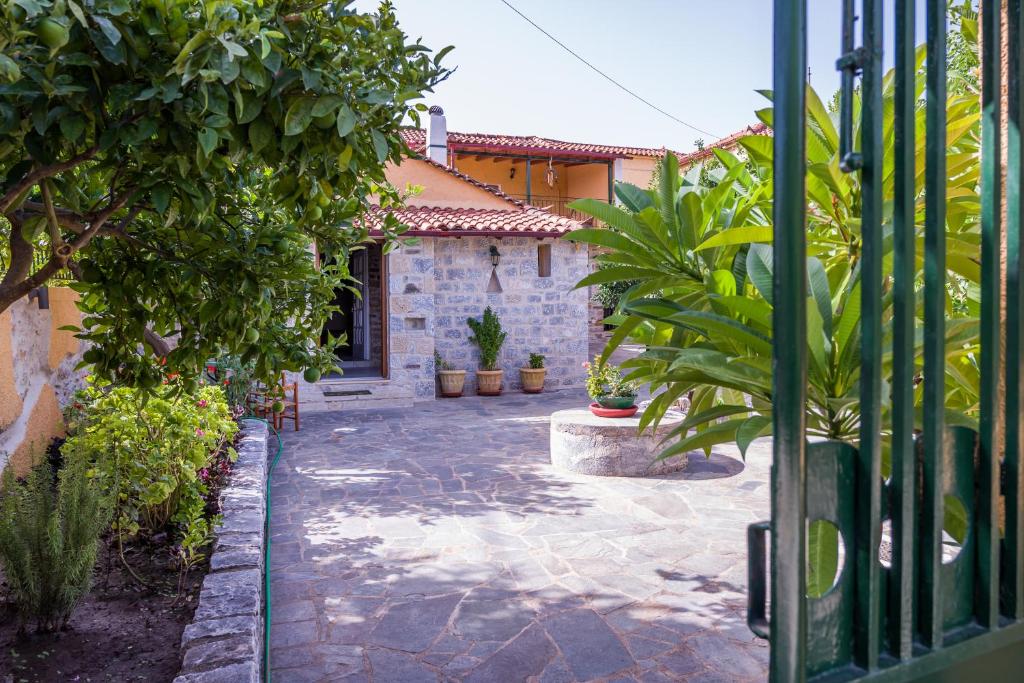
266	555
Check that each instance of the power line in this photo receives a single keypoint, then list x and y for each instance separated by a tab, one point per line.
606	76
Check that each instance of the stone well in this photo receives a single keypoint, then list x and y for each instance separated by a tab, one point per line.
583	443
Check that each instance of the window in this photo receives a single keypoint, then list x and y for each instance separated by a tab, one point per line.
544	260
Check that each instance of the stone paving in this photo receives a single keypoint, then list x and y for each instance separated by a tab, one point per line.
438	544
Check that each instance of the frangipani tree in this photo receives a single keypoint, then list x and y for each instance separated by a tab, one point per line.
181	158
715	343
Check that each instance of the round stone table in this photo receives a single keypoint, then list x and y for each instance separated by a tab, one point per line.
583	443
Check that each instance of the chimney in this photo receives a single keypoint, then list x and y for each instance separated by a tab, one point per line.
437	136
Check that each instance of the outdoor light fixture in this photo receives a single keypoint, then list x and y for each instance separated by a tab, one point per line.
495	256
512	173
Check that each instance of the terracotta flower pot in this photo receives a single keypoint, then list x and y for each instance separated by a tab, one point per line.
532	379
452	382
600	411
488	382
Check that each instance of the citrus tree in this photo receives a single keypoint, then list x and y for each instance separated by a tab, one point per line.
181	159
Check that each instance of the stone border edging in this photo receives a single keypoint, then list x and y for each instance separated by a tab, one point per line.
224	642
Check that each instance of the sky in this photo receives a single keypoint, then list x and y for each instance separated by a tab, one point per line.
700	60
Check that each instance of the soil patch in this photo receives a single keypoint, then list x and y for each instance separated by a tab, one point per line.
121	631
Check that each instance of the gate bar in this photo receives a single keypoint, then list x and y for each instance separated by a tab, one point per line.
903	479
789	347
934	398
868	617
1013	581
987	607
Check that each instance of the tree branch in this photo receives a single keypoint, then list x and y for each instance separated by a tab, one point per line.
13	288
41	173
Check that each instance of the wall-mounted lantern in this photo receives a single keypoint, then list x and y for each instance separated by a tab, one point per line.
495	256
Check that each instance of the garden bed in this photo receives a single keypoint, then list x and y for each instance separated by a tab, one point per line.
126	628
121	631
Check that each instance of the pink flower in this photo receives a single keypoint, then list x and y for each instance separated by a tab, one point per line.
586	364
201	403
200	432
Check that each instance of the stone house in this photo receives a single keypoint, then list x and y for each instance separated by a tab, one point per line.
468	246
488	228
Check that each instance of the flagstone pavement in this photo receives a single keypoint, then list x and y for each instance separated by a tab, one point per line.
438	544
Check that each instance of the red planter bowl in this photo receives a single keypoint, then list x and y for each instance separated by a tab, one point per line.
596	409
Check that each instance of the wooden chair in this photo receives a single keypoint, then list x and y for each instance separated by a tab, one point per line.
261	403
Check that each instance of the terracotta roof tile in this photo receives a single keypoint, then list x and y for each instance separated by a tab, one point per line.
727	142
447	220
415	138
518	219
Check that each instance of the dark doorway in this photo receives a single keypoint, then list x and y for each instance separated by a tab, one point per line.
360	318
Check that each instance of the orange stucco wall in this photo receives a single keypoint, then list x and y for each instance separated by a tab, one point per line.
499	172
10	401
63	312
589	180
638	171
37	361
43	424
441	188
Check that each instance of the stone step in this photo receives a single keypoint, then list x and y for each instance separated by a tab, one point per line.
363	403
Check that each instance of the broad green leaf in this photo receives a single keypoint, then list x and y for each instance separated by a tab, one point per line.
822	557
380	144
739	235
752	428
208	140
759	269
632	197
299	116
346	121
822	297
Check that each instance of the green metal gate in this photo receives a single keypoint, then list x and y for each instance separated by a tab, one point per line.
917	617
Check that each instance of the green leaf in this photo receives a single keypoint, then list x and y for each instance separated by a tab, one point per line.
326	105
722	432
261	133
108	28
723	283
759	269
380	144
632	197
299	116
818	285
9	69
208	140
346	121
79	14
161	198
822	557
739	235
345	158
72	127
752	428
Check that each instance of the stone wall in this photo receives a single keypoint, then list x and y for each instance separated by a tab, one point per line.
224	642
435	284
37	375
541	314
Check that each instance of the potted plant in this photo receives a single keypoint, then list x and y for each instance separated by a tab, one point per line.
612	395
532	378
489	337
452	380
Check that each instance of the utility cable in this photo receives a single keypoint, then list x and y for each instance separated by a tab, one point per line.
606	76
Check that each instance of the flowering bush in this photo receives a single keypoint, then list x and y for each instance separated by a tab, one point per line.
605	380
152	455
